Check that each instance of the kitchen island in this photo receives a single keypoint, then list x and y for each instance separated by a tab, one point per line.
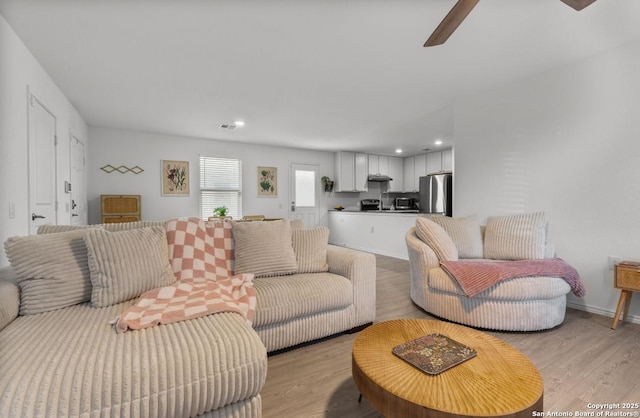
378	232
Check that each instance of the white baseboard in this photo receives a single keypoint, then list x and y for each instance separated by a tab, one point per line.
604	312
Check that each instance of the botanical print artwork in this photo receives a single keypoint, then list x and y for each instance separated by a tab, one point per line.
267	181
175	178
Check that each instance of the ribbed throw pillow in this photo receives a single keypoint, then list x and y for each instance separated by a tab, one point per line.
310	247
516	237
465	233
437	238
264	248
125	264
51	270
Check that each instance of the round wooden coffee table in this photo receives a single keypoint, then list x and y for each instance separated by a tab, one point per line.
500	381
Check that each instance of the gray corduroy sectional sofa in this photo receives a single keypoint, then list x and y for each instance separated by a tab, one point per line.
69	361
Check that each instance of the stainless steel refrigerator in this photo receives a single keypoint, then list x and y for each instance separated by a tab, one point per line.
436	194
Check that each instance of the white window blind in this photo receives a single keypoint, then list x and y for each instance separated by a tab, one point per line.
220	185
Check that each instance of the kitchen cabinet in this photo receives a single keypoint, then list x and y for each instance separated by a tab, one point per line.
378	233
447	160
414	168
396	172
434	162
440	161
378	164
351	171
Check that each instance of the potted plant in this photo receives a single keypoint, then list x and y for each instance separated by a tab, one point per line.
219	213
327	184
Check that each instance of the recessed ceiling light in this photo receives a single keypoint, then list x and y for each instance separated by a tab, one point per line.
438	142
398	151
238	123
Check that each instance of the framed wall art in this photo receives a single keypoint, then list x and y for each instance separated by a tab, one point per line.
175	178
267	181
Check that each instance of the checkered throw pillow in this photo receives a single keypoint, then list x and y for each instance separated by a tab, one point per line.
199	249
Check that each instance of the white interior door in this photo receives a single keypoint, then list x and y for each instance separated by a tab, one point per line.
42	165
305	193
77	178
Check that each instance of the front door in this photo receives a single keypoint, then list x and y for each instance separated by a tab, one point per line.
42	165
304	192
78	181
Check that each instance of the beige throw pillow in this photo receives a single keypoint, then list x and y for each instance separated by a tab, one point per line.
516	237
264	248
125	264
51	270
310	247
465	233
437	238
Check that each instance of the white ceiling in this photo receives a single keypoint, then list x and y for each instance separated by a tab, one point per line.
322	74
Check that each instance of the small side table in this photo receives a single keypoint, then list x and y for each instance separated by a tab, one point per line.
627	278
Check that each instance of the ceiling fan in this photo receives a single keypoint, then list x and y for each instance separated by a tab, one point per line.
463	7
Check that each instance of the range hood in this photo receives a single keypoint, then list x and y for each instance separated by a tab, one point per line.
379	177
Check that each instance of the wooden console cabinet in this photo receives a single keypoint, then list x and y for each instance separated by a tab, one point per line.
627	278
120	208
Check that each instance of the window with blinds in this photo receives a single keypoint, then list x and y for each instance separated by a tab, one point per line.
220	185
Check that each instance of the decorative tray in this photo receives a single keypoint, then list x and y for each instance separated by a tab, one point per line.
434	353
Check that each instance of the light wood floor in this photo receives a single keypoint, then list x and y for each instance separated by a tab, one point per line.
582	361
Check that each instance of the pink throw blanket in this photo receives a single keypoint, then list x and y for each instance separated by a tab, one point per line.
477	276
189	299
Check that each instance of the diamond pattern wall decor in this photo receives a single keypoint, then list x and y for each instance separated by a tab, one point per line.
121	169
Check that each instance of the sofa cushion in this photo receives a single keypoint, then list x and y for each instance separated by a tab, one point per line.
466	234
284	298
77	365
127	263
264	248
51	270
310	247
437	238
9	296
516	237
198	249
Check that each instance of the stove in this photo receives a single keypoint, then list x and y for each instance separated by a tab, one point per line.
370	204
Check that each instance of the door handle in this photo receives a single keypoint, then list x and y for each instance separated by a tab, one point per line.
74	214
34	217
293	206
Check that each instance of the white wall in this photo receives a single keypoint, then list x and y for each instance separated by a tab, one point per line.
19	69
129	148
566	142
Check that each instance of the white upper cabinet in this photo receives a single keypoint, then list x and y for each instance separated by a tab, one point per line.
447	160
396	173
351	172
434	162
361	172
414	168
440	161
378	164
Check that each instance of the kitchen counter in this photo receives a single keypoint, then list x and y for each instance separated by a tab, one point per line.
378	232
378	212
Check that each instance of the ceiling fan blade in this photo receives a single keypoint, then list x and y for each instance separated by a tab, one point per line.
578	4
453	19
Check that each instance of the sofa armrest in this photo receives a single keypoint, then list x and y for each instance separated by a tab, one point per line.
422	259
420	254
360	268
9	296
